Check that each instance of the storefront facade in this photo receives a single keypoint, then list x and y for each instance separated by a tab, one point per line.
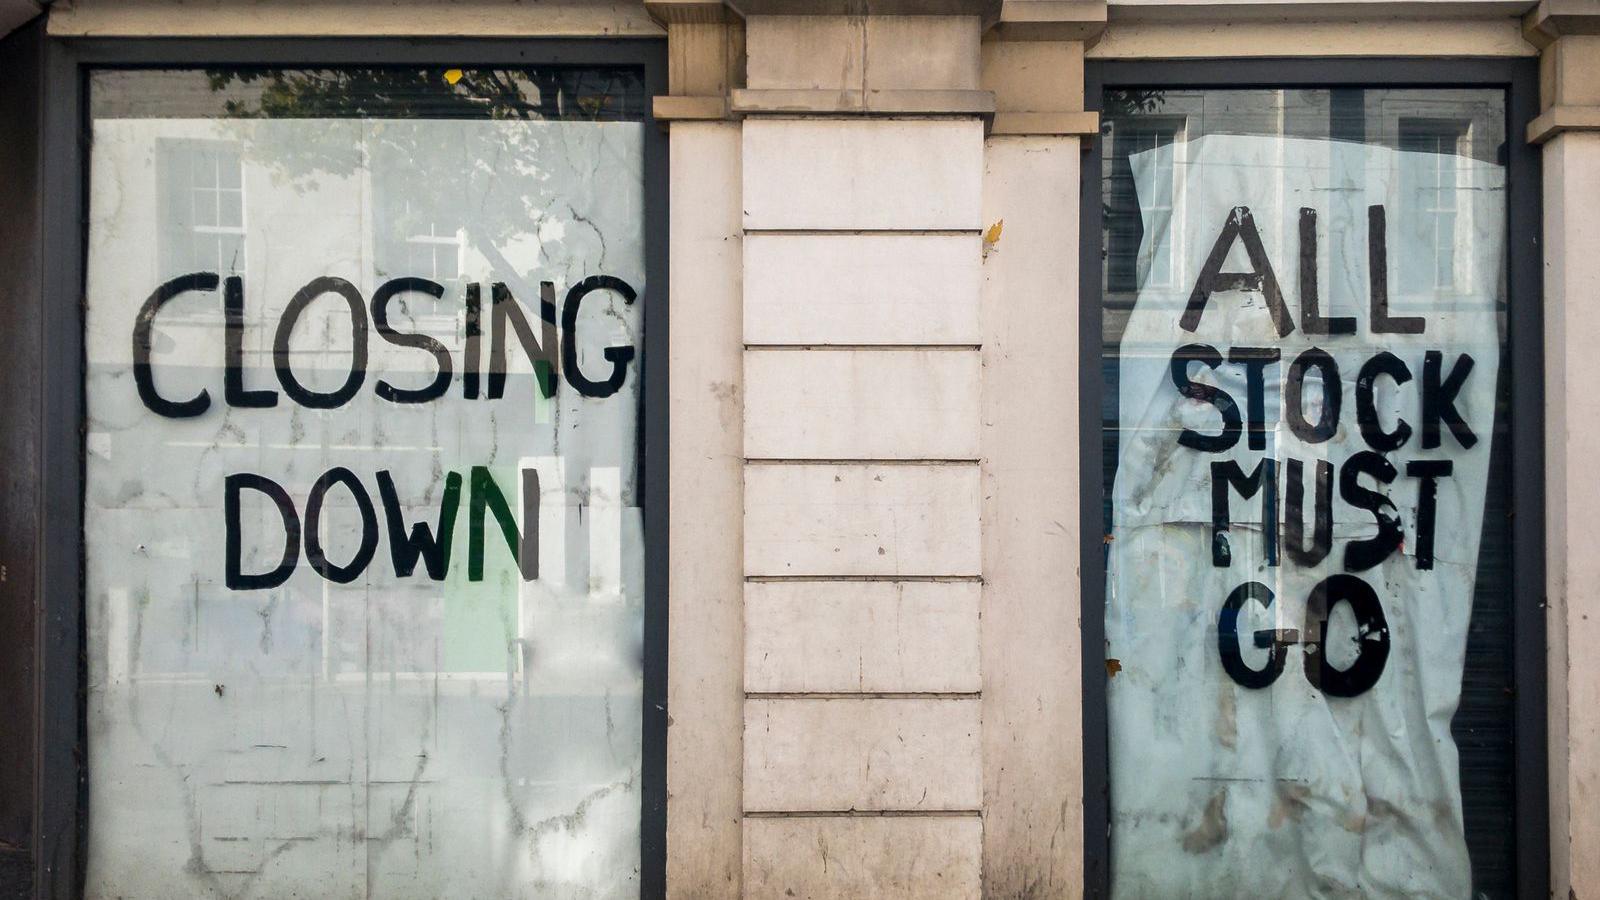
784	449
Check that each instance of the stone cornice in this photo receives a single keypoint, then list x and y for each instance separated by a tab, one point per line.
1559	119
688	12
1553	19
1050	20
1567	33
1028	108
864	103
1079	123
988	10
1205	11
1014	20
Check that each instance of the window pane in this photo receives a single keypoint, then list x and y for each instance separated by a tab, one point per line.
1308	587
230	253
203	202
230	207
365	574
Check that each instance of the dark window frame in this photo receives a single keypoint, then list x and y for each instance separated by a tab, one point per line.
61	795
1519	78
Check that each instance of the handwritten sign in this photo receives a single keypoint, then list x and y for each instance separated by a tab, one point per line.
363	531
1300	486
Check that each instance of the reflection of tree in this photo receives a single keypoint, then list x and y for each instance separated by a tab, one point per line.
594	94
1120	105
1132	101
505	182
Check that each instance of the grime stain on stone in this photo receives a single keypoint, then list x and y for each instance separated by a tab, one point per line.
1213	827
728	402
1113	666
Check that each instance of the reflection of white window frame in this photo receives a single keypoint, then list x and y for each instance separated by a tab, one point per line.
183	237
399	252
1480	134
431	243
1449	222
1160	211
1169	133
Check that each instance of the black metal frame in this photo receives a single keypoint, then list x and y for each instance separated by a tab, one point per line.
62	795
1519	78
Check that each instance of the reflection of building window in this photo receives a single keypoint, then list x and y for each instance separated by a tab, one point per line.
1429	185
202	204
1132	262
411	242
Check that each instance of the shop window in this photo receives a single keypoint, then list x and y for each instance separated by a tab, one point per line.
1306	438
364	520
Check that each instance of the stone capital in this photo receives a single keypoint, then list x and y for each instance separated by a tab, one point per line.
1033	63
1567	33
1016	63
1050	20
1553	19
688	12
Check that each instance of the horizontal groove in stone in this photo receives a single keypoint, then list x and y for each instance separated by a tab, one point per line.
876	102
866	231
972	579
807	461
882	118
863	695
863	814
875	348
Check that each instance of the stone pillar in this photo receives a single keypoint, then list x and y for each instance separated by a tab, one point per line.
862	179
882	457
1032	653
705	624
1568	128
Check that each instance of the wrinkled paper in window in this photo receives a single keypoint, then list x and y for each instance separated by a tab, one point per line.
1296	518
